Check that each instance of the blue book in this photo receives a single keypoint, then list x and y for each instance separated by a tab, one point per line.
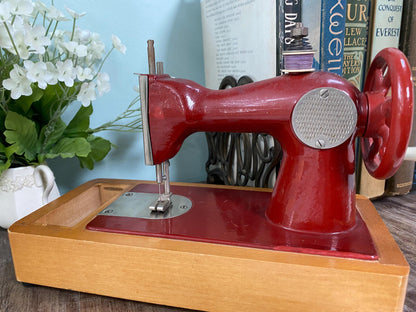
333	14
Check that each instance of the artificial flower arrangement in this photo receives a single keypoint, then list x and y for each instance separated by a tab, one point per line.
43	70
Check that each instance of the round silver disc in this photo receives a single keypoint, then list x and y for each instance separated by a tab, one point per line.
324	118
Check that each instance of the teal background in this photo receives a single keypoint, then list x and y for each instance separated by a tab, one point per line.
175	26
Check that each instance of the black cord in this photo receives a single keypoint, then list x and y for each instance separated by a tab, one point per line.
237	158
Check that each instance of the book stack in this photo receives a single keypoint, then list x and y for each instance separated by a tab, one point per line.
247	38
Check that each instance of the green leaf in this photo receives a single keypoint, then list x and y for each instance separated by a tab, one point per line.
21	132
86	162
23	104
8	156
4	165
2	120
99	149
51	133
70	147
54	97
80	123
4	160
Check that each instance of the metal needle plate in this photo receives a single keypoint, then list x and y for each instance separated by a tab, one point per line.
136	205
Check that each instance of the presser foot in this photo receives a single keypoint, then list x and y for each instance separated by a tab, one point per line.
164	202
161	204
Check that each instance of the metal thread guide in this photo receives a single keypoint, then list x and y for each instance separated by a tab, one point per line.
164	202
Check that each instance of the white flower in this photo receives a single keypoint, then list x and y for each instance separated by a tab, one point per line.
19	41
53	71
87	93
73	47
59	39
55	14
21	7
103	83
38	72
19	24
66	72
18	83
118	45
96	48
84	73
35	38
5	41
82	36
95	51
40	7
4	11
75	14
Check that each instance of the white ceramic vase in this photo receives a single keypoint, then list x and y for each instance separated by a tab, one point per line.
24	190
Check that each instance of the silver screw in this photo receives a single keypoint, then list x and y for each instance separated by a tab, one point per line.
324	93
320	143
183	207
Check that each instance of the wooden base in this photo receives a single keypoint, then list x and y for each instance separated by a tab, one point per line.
51	247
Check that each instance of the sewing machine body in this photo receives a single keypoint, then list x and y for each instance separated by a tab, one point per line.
302	246
307	173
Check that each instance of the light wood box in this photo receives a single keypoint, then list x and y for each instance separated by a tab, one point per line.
51	247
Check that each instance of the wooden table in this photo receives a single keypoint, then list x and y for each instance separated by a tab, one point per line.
399	214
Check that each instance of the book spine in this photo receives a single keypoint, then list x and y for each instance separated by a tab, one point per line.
290	13
333	13
402	182
385	30
354	65
355	43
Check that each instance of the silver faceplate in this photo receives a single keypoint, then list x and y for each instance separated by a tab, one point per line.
136	205
324	118
144	102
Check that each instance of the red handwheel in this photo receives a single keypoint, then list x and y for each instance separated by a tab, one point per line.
389	92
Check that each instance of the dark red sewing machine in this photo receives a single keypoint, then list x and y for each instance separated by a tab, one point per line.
310	244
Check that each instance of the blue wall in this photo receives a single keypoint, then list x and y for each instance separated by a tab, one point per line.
175	26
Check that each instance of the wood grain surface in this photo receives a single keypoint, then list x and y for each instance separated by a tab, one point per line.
399	214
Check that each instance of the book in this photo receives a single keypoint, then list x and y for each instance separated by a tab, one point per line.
354	66
288	15
292	14
384	32
355	43
236	42
402	181
386	16
332	35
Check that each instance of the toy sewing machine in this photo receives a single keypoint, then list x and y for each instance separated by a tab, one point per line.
311	244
